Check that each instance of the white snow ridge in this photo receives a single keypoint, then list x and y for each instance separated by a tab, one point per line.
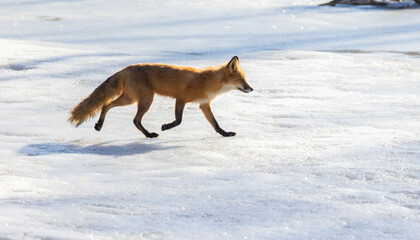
327	145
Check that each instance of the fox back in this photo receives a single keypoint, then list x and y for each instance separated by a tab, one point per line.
186	83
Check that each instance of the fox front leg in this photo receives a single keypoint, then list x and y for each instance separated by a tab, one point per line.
205	107
179	108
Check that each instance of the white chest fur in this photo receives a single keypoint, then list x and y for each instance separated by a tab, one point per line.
212	95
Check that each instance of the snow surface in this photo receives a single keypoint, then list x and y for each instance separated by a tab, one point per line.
327	145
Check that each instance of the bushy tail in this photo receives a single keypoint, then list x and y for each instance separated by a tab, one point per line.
100	97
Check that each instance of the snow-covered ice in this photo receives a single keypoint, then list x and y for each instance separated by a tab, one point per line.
327	145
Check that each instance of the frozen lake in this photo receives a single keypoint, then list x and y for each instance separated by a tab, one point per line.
327	145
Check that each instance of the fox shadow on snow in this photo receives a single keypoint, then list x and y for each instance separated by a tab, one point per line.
104	148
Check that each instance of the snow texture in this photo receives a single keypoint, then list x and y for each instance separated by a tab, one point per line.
327	145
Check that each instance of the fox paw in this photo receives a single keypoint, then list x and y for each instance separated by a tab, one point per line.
152	135
165	127
229	134
98	125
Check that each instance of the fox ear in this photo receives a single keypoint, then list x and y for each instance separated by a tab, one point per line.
233	64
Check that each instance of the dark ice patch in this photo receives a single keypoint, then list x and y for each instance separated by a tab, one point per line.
49	18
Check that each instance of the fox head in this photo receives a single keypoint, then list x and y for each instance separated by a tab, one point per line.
236	77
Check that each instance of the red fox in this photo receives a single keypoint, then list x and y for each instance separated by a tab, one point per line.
139	82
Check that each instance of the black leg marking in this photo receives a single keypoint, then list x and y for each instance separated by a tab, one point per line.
179	108
99	124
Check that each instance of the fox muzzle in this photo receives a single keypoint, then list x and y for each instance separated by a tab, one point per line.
245	88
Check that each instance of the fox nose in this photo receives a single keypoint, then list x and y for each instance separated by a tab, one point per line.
248	88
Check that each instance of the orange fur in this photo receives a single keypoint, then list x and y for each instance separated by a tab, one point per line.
139	82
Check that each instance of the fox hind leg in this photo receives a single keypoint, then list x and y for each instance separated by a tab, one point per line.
179	108
143	106
120	101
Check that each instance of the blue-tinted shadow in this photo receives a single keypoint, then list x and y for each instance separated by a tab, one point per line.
105	148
